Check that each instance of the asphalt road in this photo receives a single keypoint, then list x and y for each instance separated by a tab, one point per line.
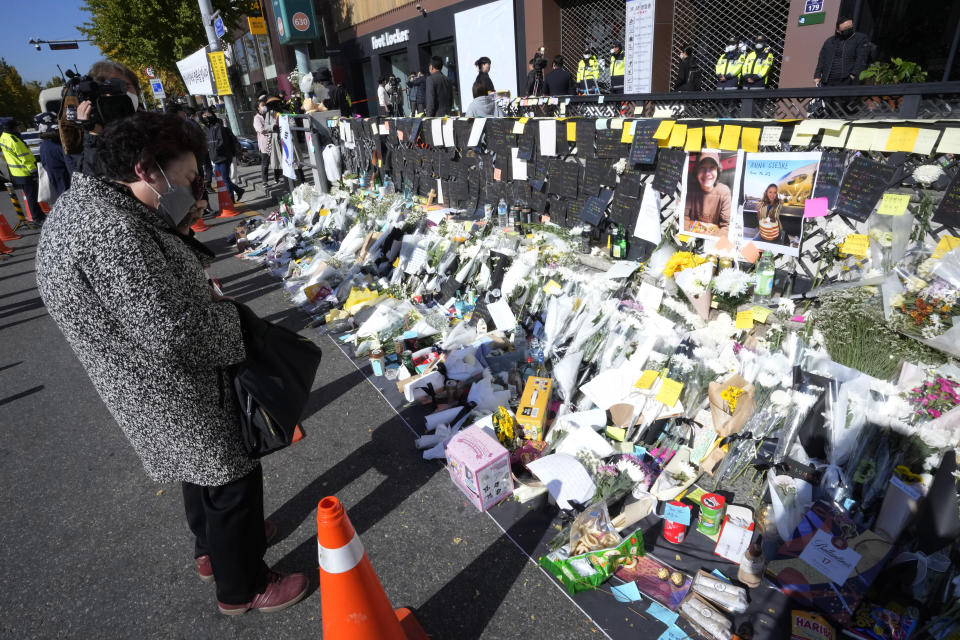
91	548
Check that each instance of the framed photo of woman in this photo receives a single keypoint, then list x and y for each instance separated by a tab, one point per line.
775	188
710	185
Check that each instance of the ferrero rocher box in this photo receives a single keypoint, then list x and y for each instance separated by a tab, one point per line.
532	412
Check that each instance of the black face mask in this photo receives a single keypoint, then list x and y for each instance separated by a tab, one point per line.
209	121
843	34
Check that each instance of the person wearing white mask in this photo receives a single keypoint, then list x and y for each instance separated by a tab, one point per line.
128	291
264	144
729	65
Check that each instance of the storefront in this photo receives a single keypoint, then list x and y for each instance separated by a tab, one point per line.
377	49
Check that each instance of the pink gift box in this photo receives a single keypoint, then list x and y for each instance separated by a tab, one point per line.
480	466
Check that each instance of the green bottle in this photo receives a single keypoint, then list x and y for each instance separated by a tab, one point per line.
764	274
618	248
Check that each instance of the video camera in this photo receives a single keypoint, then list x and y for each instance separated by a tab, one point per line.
394	81
109	98
539	62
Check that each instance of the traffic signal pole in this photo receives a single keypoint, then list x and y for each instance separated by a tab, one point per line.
206	13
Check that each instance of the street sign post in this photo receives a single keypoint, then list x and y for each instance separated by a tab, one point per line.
218	27
157	88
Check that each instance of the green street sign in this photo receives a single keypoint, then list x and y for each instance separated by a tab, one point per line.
812	18
296	21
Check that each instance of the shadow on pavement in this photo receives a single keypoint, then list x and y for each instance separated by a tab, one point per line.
13	324
20	307
22	394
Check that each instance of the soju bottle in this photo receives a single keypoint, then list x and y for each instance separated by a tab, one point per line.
763	275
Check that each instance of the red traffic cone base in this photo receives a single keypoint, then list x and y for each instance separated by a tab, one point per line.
353	602
4	249
6	233
200	226
227	209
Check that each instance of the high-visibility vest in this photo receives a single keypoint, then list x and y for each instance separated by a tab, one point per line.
617	67
729	66
17	155
757	65
588	69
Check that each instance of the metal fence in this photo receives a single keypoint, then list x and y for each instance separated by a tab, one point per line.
596	25
706	26
928	100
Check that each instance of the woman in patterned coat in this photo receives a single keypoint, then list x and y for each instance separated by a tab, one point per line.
130	295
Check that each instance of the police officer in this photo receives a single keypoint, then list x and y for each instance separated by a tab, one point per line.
617	69
22	165
756	65
729	66
588	71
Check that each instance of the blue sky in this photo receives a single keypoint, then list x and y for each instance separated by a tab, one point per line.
46	20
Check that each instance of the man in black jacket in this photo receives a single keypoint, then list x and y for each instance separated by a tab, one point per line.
842	57
416	84
439	91
222	145
560	81
337	98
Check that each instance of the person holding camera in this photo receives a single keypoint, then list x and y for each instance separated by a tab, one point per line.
131	297
534	85
22	166
417	87
439	90
222	146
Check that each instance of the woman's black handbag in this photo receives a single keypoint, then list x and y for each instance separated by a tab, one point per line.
273	384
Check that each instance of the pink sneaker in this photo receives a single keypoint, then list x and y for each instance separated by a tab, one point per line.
282	591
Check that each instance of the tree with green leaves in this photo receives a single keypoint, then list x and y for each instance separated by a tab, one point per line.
19	99
154	33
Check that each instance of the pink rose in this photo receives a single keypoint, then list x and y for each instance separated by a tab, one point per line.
934	413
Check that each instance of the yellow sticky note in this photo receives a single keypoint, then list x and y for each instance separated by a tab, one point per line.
323	212
682	237
524	120
949	141
663	130
894	204
902	139
678	135
627	135
396	263
694	140
663	143
518	126
712	137
861	138
856	244
571	132
669	392
552	287
760	314
617	433
646	379
750	137
730	139
946	244
745	319
836	138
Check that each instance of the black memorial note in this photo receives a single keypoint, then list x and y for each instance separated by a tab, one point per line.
461	132
948	211
624	209
538	202
586	131
643	150
670	167
630	184
829	177
609	145
592	212
863	184
593	176
526	147
414	131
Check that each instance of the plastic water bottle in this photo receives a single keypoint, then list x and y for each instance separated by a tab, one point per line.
502	213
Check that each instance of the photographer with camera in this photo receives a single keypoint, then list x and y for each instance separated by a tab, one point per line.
395	96
534	84
109	92
416	83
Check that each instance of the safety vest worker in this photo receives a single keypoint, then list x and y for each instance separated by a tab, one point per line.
756	66
16	153
617	69
729	66
588	71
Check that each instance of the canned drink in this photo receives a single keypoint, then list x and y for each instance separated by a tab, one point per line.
712	510
407	360
673	531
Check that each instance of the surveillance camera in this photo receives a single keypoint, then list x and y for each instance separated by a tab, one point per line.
37	46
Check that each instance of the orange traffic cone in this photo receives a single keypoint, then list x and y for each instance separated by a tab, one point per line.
4	248
353	603
200	226
6	233
224	199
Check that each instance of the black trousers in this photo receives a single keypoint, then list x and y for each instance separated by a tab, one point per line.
227	522
31	189
264	166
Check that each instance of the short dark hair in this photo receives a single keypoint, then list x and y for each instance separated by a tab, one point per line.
143	139
104	69
436	62
688	50
558	61
482	61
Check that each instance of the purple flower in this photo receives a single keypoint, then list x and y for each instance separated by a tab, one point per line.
934	413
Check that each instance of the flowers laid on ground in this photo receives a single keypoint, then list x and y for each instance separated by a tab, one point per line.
682	260
934	398
731	395
731	288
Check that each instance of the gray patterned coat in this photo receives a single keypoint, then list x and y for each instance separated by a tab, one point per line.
132	300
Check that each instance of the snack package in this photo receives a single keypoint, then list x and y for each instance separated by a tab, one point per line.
806	625
728	597
587	571
873	622
705	618
593	530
